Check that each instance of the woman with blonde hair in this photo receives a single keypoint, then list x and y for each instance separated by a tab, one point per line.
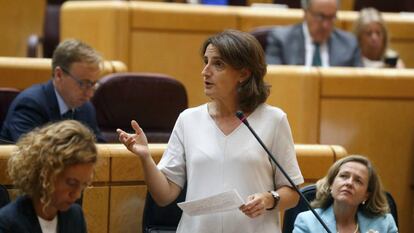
50	166
373	39
350	198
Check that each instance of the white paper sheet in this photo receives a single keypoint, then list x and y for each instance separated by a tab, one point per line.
221	202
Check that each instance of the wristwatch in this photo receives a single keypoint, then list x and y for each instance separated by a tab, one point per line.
276	198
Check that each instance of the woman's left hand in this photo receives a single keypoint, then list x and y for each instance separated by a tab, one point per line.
256	204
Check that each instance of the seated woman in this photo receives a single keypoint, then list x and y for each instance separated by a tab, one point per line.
349	198
372	37
50	166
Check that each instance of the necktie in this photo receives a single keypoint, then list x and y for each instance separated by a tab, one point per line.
316	60
68	114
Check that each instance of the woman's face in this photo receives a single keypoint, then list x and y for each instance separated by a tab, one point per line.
220	79
350	186
372	41
70	183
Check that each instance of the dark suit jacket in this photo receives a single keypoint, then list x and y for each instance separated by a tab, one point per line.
38	105
286	46
20	217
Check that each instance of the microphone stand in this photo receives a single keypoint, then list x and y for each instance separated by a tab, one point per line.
243	119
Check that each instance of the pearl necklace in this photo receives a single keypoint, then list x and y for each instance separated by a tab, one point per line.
356	229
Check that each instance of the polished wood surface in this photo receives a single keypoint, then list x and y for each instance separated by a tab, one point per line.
296	91
115	202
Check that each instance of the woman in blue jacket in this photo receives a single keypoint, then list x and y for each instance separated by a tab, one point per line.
349	199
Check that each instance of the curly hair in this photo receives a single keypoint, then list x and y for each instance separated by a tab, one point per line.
45	152
376	204
242	50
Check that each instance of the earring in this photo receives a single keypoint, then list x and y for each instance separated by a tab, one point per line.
363	203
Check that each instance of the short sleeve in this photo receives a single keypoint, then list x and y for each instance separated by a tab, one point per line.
173	163
284	150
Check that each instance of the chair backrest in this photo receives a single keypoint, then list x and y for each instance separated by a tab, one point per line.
309	192
261	35
290	215
4	196
7	95
51	31
156	219
154	100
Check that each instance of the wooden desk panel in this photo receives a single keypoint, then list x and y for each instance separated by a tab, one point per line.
295	90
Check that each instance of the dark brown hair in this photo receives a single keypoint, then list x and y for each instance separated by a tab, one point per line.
241	50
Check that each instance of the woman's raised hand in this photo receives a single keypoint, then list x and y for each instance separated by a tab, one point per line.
136	143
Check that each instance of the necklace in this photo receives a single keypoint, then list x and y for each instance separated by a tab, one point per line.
356	229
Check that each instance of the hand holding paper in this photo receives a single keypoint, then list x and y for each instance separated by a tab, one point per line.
214	204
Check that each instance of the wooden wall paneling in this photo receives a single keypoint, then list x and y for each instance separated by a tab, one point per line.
96	208
102	24
296	91
18	20
166	38
376	122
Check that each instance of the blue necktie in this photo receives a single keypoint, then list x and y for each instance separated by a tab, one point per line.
316	60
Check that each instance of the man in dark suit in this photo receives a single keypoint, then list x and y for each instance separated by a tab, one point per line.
315	42
76	69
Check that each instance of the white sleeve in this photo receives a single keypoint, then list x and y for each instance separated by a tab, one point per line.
284	150
173	163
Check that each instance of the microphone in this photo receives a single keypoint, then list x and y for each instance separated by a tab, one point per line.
242	117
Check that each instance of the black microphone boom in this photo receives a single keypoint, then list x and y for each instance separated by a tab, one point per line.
243	119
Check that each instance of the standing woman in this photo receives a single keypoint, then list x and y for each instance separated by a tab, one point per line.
50	166
212	152
349	199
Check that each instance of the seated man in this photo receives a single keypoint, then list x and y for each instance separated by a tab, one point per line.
76	69
315	42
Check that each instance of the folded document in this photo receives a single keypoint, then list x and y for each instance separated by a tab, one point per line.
221	202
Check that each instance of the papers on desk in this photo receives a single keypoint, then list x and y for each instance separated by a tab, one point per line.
221	202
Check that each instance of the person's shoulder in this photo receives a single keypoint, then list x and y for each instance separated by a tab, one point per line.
11	212
308	214
74	211
270	110
194	110
33	92
286	30
382	222
343	36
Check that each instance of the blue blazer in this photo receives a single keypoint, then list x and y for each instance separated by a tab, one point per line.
307	222
38	105
286	46
20	217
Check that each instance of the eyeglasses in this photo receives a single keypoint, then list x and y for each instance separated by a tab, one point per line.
83	84
320	17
